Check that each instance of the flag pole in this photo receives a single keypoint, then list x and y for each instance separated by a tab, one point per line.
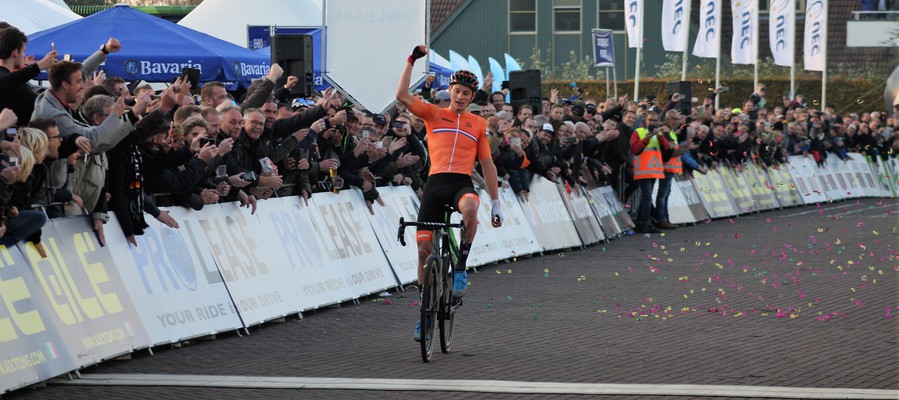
683	72
718	16
637	61
824	70
755	40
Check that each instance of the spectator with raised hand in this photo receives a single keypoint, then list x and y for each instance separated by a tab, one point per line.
125	179
646	145
15	72
511	162
66	89
406	153
251	148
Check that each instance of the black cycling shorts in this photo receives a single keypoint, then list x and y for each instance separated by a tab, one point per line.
442	190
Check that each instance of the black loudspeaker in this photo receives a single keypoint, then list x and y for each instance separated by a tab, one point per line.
294	54
685	88
525	88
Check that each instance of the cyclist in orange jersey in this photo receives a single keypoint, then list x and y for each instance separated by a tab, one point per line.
455	139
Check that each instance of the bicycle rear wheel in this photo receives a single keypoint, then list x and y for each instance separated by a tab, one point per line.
429	308
448	310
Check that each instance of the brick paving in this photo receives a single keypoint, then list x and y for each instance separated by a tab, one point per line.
771	299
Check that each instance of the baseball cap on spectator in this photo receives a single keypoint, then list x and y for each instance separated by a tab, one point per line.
590	108
379	119
441	95
548	128
578	108
474	108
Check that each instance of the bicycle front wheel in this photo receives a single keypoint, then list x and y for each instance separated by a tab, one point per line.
448	312
429	308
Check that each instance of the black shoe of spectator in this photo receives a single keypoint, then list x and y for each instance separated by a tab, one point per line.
665	225
646	229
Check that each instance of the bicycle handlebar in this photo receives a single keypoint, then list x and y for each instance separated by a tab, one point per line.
404	224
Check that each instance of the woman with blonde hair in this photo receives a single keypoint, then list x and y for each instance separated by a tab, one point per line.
16	225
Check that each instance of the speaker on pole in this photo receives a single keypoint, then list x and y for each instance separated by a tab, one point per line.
294	54
685	88
525	88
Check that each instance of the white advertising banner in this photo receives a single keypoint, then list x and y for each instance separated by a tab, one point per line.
708	36
399	201
633	23
815	44
739	190
782	31
744	42
585	221
603	211
762	193
178	293
514	238
300	238
351	243
249	259
805	176
684	184
863	177
675	25
550	221
785	189
678	212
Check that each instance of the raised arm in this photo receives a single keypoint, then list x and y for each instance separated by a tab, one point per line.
402	89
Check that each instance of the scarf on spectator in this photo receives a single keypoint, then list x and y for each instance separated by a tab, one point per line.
135	191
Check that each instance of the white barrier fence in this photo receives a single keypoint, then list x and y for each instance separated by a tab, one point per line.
225	269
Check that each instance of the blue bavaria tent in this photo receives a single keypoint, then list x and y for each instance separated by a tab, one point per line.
153	49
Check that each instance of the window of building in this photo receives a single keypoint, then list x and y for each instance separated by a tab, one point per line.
523	16
611	15
567	15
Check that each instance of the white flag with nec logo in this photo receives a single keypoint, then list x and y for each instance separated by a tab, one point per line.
633	22
782	31
815	35
675	25
745	23
708	37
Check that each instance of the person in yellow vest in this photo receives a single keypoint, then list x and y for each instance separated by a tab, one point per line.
672	167
647	143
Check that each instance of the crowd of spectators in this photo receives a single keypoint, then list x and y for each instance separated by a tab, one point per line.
90	144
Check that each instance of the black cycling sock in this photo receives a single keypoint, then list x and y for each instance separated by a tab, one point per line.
464	249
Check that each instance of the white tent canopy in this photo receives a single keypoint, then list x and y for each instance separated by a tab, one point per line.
228	19
32	16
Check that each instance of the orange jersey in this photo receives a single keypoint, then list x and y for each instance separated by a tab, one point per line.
454	140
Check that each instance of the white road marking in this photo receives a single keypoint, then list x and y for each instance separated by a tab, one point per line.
842	206
485	386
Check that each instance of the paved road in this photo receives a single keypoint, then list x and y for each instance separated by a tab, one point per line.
804	297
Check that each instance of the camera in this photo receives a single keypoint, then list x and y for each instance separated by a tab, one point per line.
366	132
11	133
206	141
13	161
570	139
249	176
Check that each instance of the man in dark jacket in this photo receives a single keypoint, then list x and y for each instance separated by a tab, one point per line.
16	71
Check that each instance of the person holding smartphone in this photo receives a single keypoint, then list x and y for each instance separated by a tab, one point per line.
16	70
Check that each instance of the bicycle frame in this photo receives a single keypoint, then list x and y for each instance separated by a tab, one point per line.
437	306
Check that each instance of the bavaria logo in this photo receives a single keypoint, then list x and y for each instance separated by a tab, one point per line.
236	68
130	67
